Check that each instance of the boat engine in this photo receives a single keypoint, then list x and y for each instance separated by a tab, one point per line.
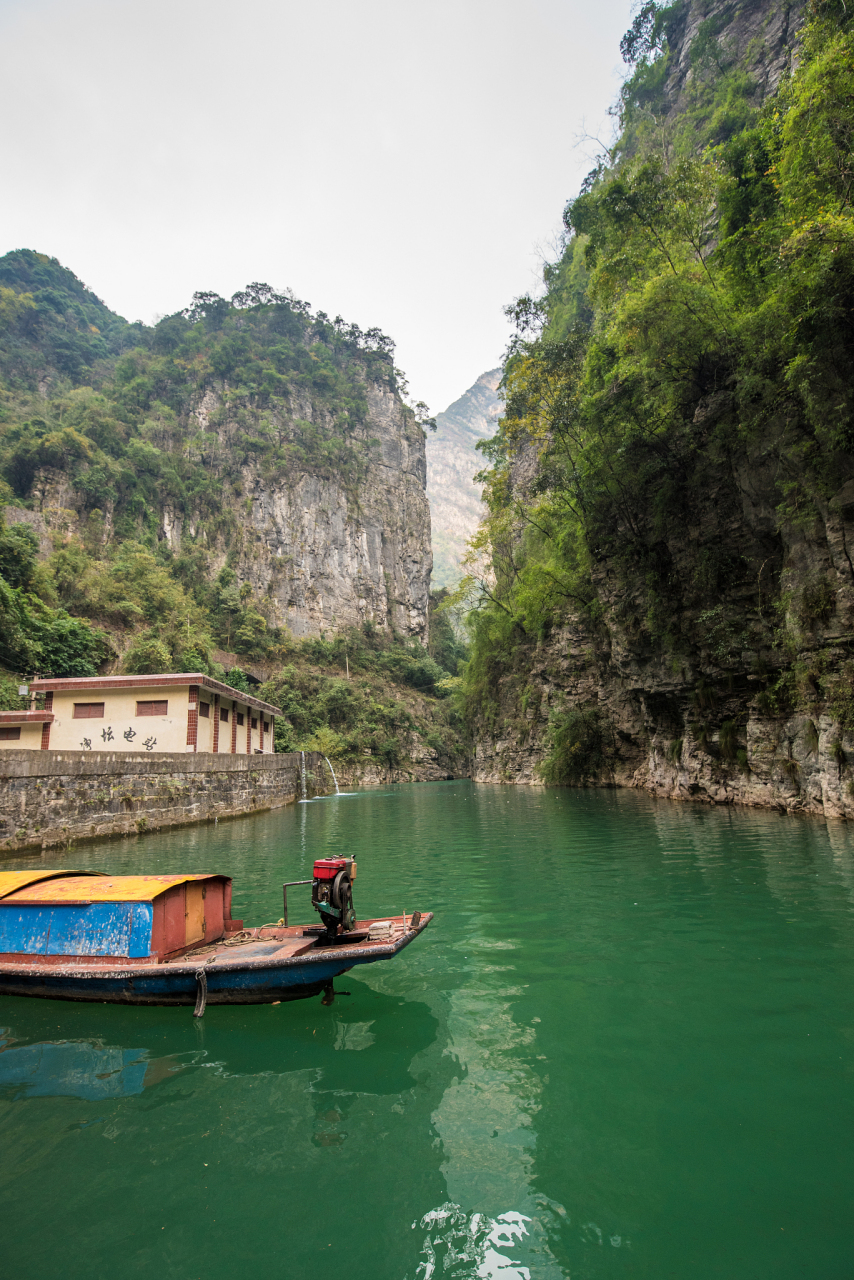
332	893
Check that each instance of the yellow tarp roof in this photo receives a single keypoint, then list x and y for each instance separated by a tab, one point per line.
10	881
104	889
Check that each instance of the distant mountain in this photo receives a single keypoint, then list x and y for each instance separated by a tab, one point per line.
452	462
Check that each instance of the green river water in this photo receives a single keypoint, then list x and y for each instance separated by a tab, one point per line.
624	1047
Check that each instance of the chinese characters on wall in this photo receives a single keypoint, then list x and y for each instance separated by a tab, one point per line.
129	734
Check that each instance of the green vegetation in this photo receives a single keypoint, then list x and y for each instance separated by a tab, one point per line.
119	428
577	742
114	422
110	414
32	634
700	318
363	695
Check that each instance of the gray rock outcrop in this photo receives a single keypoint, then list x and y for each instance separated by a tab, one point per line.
751	702
452	463
321	549
760	37
327	556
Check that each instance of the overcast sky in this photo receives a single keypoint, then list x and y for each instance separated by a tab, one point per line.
401	164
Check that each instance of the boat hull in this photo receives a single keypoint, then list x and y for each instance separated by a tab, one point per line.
228	978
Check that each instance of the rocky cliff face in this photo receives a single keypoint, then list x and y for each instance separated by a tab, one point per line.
266	448
452	462
325	554
759	38
703	726
710	658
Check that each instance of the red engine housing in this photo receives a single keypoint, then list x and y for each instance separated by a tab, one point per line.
328	868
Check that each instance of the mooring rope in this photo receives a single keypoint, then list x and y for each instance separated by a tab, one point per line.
201	993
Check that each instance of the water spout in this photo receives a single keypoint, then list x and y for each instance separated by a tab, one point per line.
334	779
302	772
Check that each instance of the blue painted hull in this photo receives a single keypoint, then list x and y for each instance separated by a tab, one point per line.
229	981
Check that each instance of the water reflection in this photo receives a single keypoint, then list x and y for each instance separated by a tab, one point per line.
622	1048
78	1069
494	1224
277	1125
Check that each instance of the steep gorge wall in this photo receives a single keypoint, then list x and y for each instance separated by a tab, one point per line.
714	659
697	722
761	38
452	463
321	551
325	554
263	453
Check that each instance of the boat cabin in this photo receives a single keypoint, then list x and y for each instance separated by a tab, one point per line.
84	913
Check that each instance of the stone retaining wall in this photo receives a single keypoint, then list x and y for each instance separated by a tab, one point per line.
50	798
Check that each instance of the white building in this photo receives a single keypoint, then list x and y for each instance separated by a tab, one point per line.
188	712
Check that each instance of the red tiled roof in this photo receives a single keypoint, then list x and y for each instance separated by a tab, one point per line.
26	717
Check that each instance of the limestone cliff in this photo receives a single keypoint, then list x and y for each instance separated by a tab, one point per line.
758	37
670	598
260	454
319	554
326	555
702	726
452	462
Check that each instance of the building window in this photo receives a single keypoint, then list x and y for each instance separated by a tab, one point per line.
152	708
266	727
240	717
254	722
88	711
205	710
223	714
10	735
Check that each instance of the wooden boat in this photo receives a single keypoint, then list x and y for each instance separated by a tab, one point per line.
170	939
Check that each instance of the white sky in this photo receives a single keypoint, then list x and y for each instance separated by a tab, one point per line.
404	165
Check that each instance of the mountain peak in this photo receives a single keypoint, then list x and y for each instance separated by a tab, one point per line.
452	462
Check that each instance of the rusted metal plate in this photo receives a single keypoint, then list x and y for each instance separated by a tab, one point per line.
80	888
12	881
75	929
168	932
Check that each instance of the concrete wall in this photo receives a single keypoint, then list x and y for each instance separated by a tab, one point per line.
50	798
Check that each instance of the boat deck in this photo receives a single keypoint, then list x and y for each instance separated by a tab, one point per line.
265	945
273	943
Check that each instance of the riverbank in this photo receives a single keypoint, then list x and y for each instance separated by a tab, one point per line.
52	799
373	773
796	764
